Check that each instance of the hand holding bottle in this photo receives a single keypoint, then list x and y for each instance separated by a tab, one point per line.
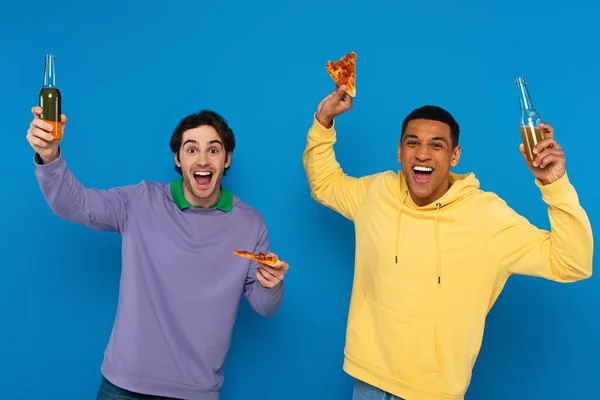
549	161
544	157
40	137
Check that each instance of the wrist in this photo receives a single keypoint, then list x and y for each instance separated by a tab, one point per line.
47	159
326	121
546	182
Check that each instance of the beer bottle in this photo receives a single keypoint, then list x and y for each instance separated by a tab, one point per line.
50	98
530	120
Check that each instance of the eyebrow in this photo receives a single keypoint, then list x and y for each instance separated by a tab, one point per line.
189	141
196	142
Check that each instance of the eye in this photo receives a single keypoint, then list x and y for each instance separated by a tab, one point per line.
411	143
214	150
190	150
438	145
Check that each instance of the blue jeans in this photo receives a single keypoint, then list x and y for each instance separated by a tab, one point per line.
364	391
108	391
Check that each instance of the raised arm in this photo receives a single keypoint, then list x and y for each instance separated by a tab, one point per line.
328	183
105	210
563	254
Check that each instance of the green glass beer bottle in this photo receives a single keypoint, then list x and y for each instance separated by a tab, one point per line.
530	121
51	99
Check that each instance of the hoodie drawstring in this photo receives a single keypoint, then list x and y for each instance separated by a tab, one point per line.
437	236
437	243
398	224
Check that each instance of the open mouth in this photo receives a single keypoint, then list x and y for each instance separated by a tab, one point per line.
203	178
422	173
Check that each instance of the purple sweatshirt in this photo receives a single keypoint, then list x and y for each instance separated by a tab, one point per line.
181	285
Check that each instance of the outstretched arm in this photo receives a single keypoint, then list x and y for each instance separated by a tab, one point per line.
104	210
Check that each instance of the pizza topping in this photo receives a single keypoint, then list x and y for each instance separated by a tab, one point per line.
269	259
343	72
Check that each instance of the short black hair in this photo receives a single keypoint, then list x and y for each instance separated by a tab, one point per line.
201	118
434	113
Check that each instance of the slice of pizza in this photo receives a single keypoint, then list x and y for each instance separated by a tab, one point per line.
268	259
343	72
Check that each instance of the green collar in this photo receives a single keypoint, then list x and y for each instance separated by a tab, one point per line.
225	202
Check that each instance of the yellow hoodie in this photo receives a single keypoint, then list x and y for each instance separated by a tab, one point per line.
426	277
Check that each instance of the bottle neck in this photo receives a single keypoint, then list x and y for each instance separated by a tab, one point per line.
524	98
49	72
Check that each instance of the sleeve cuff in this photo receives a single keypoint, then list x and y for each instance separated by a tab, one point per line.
320	130
47	170
556	191
269	293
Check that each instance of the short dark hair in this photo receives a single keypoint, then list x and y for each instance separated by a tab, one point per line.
201	118
434	113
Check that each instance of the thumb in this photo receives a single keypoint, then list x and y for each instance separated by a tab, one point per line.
339	93
522	151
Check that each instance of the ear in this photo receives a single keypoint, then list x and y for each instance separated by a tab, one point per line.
455	156
399	146
177	162
228	159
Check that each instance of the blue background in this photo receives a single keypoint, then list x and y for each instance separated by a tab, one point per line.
130	71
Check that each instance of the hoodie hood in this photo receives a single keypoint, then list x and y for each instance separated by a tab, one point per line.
461	186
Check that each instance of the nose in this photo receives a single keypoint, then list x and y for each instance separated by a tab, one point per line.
423	153
202	159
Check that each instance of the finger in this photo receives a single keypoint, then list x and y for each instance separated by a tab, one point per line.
522	149
545	153
339	93
547	129
63	119
37	142
268	272
554	157
41	134
544	144
282	267
347	101
36	111
262	280
41	124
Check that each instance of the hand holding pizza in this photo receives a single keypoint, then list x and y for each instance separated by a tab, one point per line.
271	269
333	105
269	276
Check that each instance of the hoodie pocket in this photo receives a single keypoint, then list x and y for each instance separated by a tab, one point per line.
393	343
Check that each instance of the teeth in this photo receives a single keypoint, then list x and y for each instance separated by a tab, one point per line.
423	169
202	173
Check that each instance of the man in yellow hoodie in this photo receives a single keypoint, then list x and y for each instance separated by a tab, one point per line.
433	252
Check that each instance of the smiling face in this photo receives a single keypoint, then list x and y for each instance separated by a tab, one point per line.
202	159
426	153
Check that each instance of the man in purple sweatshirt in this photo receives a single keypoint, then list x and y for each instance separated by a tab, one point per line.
181	284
